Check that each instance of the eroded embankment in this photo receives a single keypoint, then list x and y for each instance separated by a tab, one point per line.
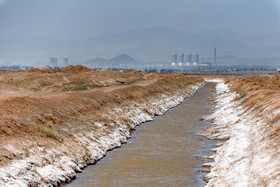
55	135
248	124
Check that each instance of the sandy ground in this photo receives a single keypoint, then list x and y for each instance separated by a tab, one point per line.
55	122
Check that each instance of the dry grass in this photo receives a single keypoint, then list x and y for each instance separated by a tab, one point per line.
255	88
70	100
227	81
46	131
237	86
58	111
253	99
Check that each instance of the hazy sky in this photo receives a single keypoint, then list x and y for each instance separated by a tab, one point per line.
81	19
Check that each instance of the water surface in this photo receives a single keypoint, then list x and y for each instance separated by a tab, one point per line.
163	152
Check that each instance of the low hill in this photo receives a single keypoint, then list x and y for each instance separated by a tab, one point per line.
123	59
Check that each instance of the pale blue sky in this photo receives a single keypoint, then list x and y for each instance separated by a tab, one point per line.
81	19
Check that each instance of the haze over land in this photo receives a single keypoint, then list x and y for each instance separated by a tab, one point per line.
56	121
33	31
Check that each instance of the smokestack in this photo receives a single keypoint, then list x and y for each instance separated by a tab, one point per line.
215	57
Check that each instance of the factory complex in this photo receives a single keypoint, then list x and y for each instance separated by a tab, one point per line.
189	59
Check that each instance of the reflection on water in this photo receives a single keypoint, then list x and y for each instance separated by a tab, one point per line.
164	152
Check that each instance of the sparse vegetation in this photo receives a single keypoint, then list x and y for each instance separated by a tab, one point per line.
53	113
134	81
83	87
241	95
80	88
256	88
48	132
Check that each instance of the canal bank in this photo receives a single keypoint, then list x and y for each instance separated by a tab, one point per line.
248	126
163	152
51	136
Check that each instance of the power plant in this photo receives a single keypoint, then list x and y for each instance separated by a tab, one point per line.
190	59
181	59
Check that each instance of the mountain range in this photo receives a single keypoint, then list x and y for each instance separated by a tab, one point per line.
145	45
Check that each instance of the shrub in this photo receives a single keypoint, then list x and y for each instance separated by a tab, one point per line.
48	132
80	88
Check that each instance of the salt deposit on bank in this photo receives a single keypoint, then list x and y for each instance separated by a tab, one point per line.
248	156
52	167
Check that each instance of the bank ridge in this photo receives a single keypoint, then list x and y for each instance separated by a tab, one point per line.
60	164
248	154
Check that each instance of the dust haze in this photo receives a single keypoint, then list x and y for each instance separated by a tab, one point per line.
244	31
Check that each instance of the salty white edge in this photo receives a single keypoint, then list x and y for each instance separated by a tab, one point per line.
52	167
249	157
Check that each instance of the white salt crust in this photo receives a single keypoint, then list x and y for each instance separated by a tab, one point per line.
249	156
53	167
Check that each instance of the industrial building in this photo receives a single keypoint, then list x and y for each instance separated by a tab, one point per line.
64	63
53	62
215	56
173	59
181	59
188	59
205	63
191	59
195	59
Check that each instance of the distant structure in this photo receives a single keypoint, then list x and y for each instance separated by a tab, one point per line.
181	59
188	59
64	63
215	57
173	59
195	59
205	63
53	62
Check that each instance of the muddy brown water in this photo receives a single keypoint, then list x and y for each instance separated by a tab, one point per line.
163	152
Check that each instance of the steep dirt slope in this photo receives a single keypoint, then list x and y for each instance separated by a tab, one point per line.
55	122
247	120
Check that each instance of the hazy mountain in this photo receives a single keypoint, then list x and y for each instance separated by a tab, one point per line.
150	44
156	44
124	58
120	59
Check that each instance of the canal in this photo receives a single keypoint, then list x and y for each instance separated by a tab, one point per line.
163	152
